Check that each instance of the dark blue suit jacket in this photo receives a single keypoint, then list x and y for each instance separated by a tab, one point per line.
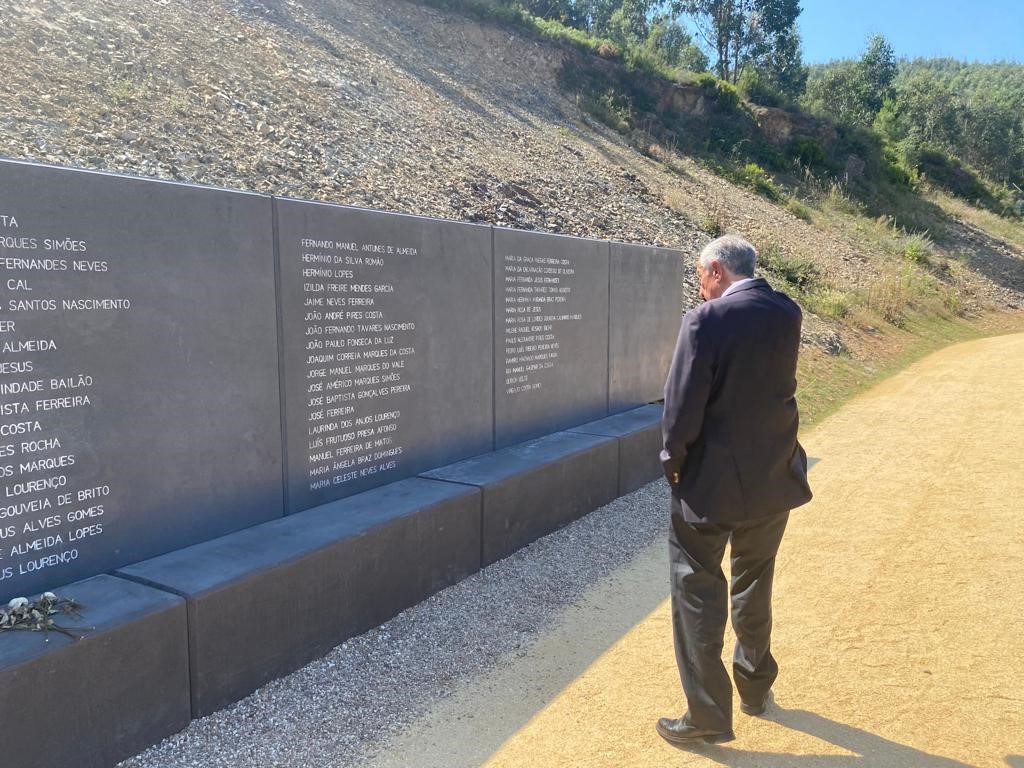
730	421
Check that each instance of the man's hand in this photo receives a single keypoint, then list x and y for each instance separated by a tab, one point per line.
671	475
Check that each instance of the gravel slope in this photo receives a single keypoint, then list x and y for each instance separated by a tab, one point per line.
389	105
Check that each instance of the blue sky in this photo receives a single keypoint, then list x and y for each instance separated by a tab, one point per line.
980	30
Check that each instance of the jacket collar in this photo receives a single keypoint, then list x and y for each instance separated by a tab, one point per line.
757	282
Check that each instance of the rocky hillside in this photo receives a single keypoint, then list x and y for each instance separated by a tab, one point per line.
389	105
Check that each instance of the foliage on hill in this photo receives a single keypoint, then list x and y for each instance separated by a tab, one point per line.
973	111
754	43
958	126
942	117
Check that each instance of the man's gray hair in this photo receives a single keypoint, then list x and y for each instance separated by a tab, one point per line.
732	252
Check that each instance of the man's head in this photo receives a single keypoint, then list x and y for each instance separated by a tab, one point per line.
722	263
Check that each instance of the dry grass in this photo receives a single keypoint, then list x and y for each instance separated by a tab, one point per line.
877	351
828	302
1009	230
711	220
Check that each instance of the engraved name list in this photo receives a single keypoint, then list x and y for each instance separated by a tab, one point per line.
358	346
53	505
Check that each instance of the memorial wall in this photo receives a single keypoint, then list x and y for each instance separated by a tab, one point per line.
386	346
550	333
180	362
643	322
139	401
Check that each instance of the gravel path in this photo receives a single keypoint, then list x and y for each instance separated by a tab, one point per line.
897	616
372	688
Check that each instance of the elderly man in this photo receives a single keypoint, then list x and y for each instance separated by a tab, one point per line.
735	467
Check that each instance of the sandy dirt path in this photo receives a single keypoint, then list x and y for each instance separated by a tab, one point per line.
899	610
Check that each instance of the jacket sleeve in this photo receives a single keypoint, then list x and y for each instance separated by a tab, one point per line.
686	395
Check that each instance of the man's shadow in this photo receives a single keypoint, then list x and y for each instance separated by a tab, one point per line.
870	751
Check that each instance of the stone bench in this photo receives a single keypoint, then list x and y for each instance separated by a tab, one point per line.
639	434
187	633
264	601
92	702
533	488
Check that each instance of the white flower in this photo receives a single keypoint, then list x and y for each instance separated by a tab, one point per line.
49	596
18	602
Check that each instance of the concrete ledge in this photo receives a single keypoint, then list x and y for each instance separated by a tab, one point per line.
93	702
264	601
639	434
534	488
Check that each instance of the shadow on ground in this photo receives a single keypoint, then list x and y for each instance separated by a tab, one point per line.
559	657
612	565
870	750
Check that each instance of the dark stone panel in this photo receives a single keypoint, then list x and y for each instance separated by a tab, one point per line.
138	370
387	346
550	333
93	702
534	488
645	311
264	601
639	435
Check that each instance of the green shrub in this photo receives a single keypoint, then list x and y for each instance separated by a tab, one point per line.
799	273
770	157
897	170
724	94
828	302
918	248
123	90
807	151
949	173
711	224
555	30
755	88
798	209
755	177
609	108
642	60
861	143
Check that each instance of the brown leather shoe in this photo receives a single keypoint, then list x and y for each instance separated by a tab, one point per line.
682	732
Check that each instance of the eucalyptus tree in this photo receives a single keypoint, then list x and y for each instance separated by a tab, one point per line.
741	33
